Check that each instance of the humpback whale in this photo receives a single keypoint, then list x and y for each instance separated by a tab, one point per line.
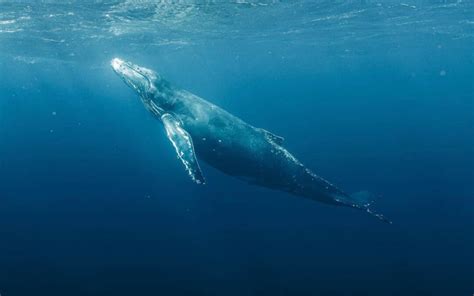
201	130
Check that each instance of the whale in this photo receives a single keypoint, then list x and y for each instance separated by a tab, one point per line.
201	131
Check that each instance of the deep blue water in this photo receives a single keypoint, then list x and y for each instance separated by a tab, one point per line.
370	95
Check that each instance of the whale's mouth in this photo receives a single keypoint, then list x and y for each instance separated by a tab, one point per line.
140	79
126	69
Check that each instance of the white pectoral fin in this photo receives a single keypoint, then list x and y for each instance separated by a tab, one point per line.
183	144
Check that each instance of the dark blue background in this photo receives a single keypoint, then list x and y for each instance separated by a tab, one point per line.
94	201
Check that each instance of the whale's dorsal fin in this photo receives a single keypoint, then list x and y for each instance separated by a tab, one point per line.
183	144
277	139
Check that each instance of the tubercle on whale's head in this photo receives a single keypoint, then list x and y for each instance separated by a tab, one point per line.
138	78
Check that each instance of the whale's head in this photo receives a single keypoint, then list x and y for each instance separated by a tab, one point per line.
141	79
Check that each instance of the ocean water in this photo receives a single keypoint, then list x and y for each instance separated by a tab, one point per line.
371	95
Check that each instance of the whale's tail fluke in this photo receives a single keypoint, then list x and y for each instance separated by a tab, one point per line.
363	200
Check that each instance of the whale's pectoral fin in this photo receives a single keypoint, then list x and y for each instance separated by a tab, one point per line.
183	144
272	137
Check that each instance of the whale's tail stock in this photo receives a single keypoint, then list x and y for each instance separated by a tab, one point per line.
364	200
